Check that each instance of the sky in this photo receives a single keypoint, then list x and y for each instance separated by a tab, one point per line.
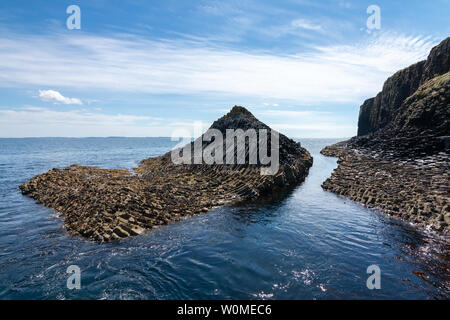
148	68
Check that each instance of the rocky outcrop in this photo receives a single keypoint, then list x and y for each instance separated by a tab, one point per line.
105	205
414	190
376	113
426	112
420	127
400	160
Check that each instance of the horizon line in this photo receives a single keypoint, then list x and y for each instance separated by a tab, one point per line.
158	137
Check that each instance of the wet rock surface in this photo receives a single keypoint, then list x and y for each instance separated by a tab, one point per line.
402	167
105	205
415	190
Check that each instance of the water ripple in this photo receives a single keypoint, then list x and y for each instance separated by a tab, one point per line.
302	244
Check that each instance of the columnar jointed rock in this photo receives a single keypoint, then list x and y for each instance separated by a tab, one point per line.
417	191
402	167
105	205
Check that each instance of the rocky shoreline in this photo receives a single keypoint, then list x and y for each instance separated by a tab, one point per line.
416	191
400	161
105	205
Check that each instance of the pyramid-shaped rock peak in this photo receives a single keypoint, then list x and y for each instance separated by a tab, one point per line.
238	118
238	112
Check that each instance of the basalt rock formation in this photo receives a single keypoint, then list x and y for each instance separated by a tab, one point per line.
400	160
105	205
376	113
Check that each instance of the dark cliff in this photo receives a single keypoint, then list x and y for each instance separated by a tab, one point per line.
399	162
376	113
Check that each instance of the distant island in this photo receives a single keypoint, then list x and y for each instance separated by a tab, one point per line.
400	161
105	205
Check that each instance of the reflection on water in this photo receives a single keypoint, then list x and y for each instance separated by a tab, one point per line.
302	244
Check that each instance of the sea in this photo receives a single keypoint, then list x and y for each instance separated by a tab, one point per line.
302	243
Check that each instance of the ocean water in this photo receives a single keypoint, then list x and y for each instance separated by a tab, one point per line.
303	244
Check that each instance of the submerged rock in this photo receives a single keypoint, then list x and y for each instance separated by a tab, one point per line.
105	205
400	160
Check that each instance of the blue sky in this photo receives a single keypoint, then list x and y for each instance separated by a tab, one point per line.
148	68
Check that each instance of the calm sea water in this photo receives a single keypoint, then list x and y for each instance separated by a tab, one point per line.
304	244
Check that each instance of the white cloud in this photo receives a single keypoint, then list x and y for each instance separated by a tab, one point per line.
331	74
33	121
305	24
309	123
322	130
345	4
56	97
383	54
291	113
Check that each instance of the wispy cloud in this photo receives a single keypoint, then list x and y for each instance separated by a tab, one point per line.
297	28
33	114
291	113
305	24
220	8
57	98
319	130
309	123
384	53
27	121
133	64
345	4
30	120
